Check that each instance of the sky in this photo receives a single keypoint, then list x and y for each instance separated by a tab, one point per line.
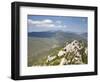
41	23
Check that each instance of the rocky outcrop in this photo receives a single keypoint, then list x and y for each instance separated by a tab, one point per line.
72	53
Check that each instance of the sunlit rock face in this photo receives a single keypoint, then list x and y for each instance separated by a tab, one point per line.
63	61
61	53
73	53
73	46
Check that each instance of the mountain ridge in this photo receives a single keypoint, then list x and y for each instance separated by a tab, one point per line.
55	33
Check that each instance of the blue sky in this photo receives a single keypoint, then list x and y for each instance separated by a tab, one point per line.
40	23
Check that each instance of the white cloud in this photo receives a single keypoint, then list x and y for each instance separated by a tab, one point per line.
47	21
46	24
41	23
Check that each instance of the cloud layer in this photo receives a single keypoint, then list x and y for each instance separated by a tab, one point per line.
46	23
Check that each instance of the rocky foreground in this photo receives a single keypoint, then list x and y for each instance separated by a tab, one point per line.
73	53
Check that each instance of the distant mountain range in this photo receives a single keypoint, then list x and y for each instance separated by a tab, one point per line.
41	34
84	35
57	34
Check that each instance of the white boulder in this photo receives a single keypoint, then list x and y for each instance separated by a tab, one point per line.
61	53
63	61
50	58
